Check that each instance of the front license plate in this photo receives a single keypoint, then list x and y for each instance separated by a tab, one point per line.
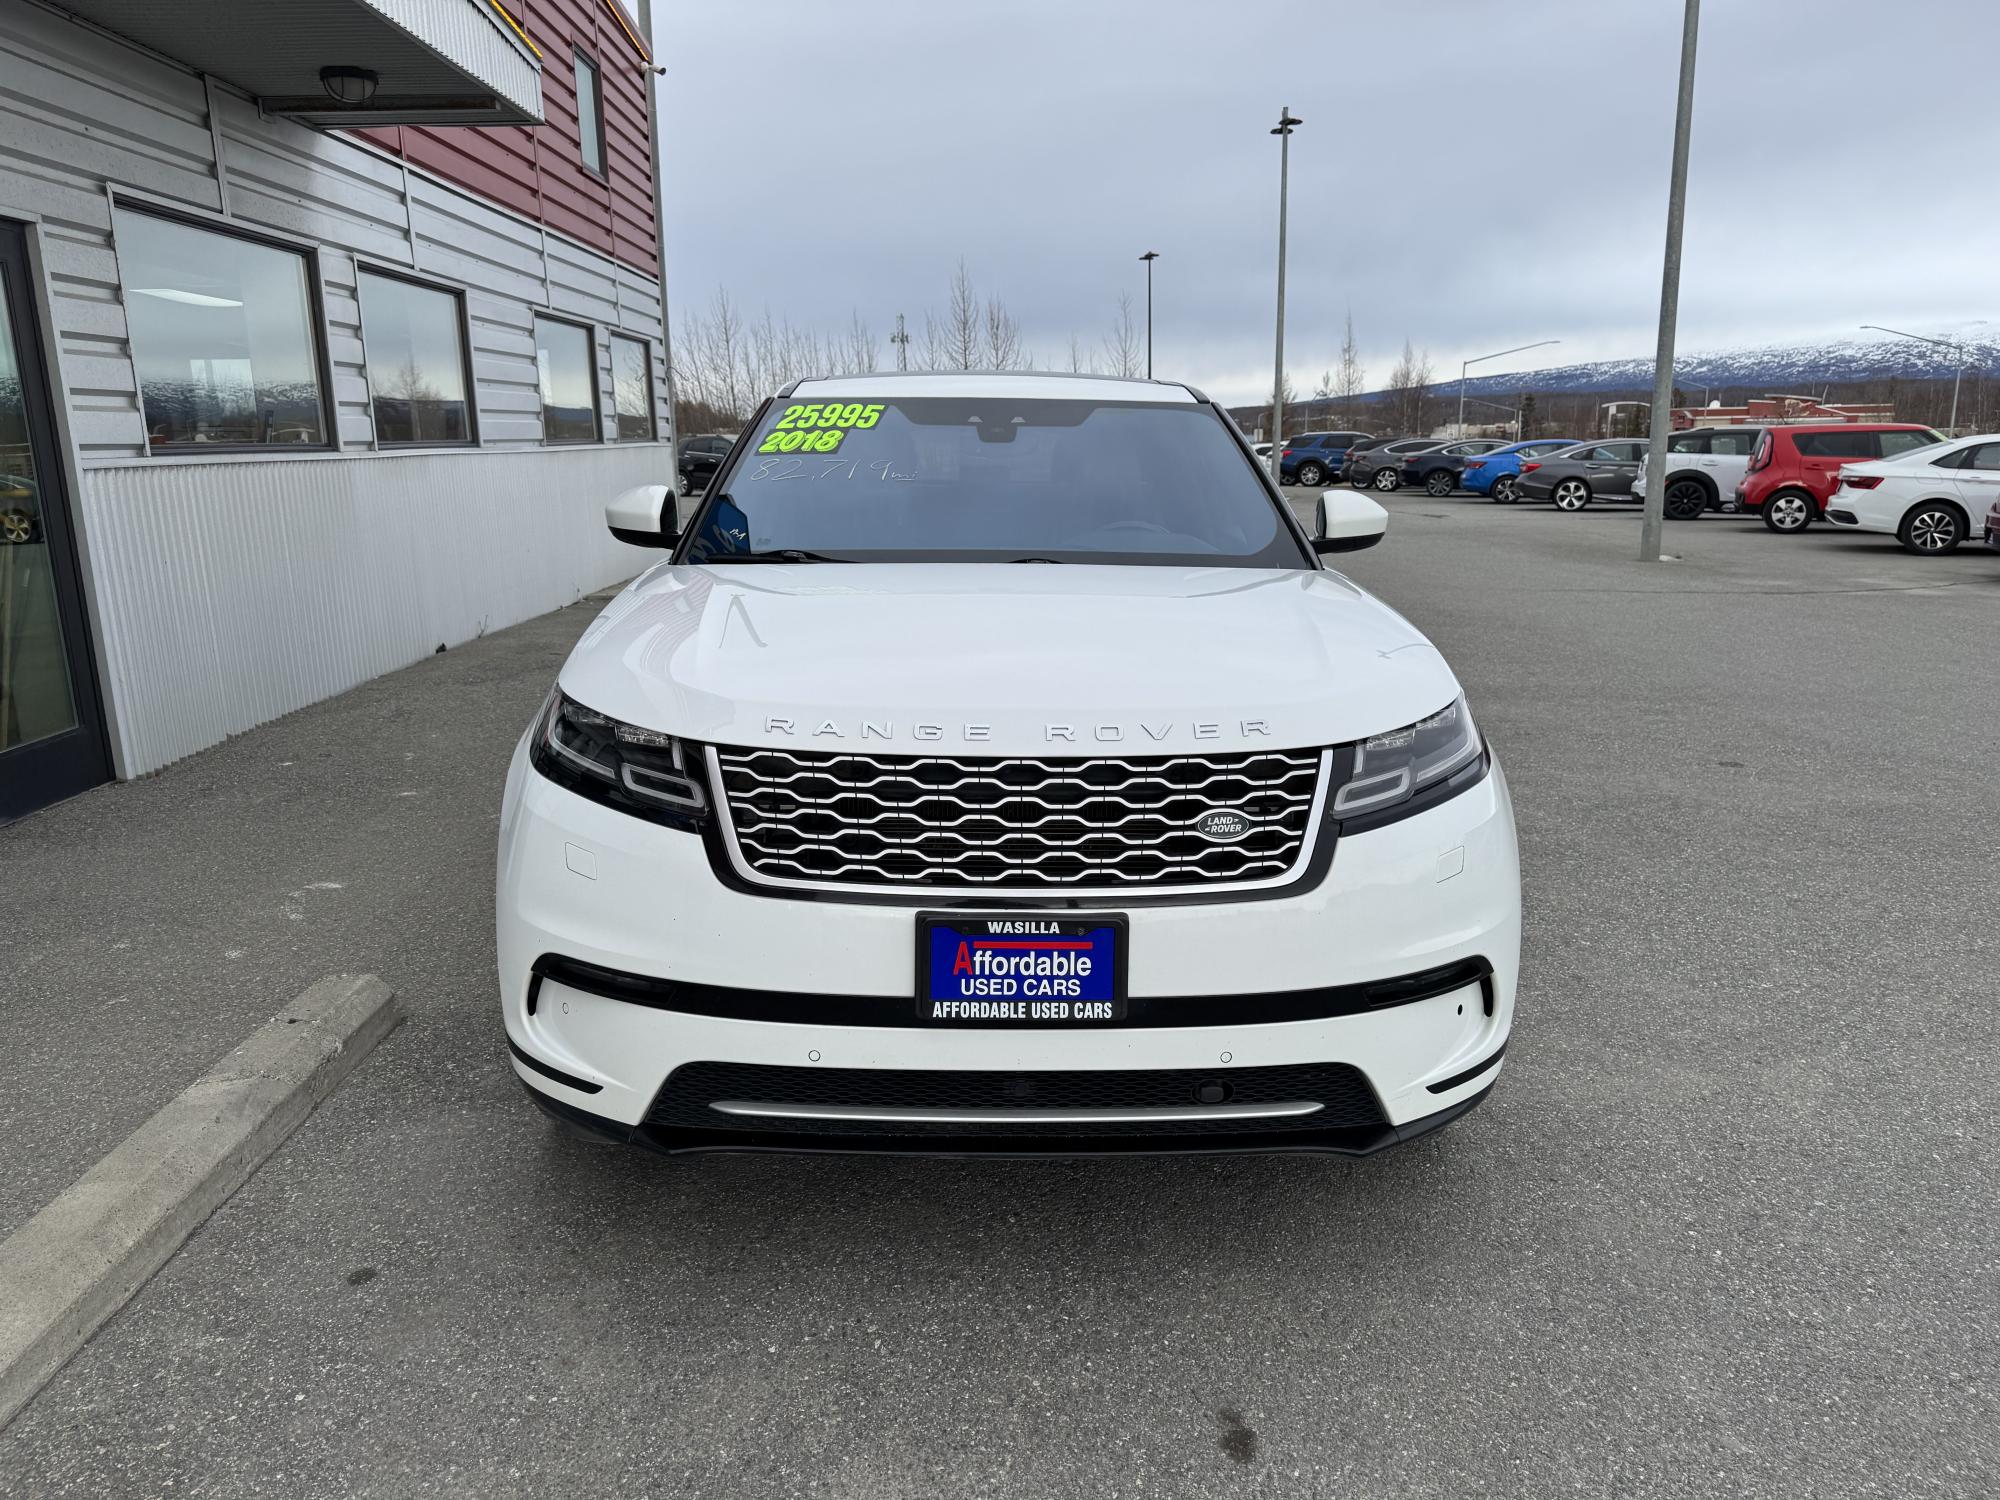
1007	969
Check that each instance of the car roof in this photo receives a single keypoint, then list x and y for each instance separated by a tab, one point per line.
1036	385
1849	427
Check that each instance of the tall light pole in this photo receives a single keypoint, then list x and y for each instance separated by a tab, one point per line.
1287	122
1670	299
1958	349
1480	359
1149	257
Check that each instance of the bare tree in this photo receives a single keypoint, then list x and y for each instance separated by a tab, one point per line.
1352	379
1077	363
858	355
1409	383
1003	338
961	322
1124	349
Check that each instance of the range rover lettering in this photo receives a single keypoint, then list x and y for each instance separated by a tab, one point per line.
992	764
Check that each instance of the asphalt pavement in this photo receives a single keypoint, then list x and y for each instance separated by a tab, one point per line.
1726	1227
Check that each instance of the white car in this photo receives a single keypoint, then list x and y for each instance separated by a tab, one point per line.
993	767
1930	499
1704	466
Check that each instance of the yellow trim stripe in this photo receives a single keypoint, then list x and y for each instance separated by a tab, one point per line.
618	14
515	26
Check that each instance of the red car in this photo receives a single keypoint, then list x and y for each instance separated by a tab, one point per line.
1795	470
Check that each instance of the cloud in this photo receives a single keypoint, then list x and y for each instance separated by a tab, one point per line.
1472	174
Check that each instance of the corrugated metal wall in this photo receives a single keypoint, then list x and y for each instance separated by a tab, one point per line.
227	591
231	593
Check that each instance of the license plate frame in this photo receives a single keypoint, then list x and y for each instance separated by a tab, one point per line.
1014	932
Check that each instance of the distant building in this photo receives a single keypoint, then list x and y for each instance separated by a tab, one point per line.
1768	411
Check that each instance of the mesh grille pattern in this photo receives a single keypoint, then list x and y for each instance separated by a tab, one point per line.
1350	1103
1015	824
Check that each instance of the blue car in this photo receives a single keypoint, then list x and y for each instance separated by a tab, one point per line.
1313	458
1495	473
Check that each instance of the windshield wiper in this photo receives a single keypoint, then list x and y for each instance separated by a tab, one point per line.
779	555
1052	561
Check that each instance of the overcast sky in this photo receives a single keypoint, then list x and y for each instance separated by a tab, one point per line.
1471	174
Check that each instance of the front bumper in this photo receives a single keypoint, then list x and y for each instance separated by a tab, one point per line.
821	984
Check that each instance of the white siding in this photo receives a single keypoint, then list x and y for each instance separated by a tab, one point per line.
227	591
232	592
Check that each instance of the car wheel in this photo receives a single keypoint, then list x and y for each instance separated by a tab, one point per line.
1439	482
1686	500
1386	480
1789	511
1312	475
17	527
1504	492
1932	528
1572	494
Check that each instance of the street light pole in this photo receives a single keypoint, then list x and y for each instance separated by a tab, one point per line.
1480	359
1670	299
1956	348
1287	121
1149	257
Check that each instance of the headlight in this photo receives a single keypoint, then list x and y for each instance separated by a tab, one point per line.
639	771
1411	768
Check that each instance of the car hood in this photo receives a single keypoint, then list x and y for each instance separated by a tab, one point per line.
1005	659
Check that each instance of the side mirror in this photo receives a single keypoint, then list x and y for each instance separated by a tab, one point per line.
1347	522
645	516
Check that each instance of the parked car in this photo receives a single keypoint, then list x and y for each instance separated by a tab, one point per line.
20	518
1263	452
950	858
1993	527
700	458
1495	473
1438	469
1575	476
1313	458
1926	498
1382	465
1347	464
1704	466
1794	470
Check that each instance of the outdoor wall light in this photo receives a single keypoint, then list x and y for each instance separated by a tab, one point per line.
349	85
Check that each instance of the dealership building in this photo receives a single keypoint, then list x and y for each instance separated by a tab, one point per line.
326	329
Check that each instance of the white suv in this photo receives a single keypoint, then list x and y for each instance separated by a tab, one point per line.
993	767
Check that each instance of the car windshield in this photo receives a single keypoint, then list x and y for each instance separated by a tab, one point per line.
884	478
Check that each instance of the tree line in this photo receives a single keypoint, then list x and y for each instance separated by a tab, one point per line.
725	362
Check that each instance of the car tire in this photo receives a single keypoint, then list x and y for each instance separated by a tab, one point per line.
1687	499
1932	529
1439	483
1790	511
1505	491
1386	480
17	527
1571	494
1312	475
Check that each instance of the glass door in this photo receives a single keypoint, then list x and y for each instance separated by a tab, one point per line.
51	739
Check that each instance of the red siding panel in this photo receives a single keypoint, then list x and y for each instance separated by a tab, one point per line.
537	170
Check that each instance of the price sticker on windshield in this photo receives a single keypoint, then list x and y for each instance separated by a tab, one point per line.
820	427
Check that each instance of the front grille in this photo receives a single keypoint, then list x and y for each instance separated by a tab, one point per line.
1348	1102
908	821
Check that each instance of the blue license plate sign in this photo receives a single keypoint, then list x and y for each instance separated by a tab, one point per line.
1015	969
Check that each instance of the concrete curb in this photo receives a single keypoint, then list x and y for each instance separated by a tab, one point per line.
80	1259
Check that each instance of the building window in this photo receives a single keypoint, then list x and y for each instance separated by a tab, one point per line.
589	114
632	388
566	363
416	361
222	334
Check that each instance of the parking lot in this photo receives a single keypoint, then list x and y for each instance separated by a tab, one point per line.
1725	1227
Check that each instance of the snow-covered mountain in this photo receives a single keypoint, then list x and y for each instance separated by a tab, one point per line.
1791	369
